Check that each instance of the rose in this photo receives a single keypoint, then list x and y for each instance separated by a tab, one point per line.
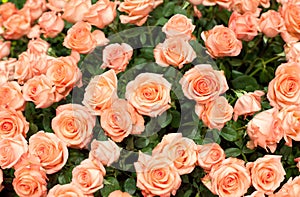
179	26
117	56
28	161
34	32
51	24
11	96
156	175
292	52
36	8
38	46
271	23
149	93
243	6
266	173
4	49
74	10
291	188
223	3
203	84
62	190
221	41
11	150
73	124
247	104
56	5
209	155
101	14
174	51
196	2
265	3
121	120
105	152
256	194
119	193
7	68
290	14
1	180
101	92
88	177
7	9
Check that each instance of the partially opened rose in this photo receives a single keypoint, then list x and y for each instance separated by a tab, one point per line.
38	46
62	190
4	49
243	6
11	96
292	52
56	5
51	24
119	193
209	155
74	10
271	23
36	8
7	9
290	14
289	189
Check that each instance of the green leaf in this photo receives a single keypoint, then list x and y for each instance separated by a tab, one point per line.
169	9
110	184
143	38
245	83
229	134
236	62
176	119
188	193
130	186
141	142
165	119
232	152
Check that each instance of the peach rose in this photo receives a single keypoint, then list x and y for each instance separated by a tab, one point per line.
292	52
30	181
138	11
117	56
56	5
88	177
74	10
256	194
179	26
243	6
7	68
121	120
196	2
244	26
11	96
62	190
38	46
73	124
4	49
265	3
156	175
36	8
101	92
104	152
221	41
266	173
265	130
289	189
80	38
203	84
149	93
223	3
287	37
271	23
119	193
12	123
175	52
34	32
1	180
7	9
297	160
209	155
283	90
101	14
40	90
290	14
28	161
51	24
11	150
247	104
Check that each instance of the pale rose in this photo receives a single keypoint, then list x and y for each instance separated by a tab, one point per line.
216	113
56	5
80	38
38	46
27	161
7	9
119	193
117	56
221	41
7	68
247	104
12	123
283	90
175	52
209	155
40	90
121	120
34	32
36	8
292	52
289	189
61	191
101	92
265	130
245	26
4	49
74	10
73	124
51	151
104	152
51	24
11	150
290	14
101	14
11	96
243	6
138	11
180	150
256	194
30	181
223	3
271	23
149	93
179	26
88	177
203	84
266	173
156	175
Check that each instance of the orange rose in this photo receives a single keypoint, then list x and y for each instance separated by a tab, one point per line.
73	124
11	96
289	189
88	177
149	93
117	56
138	11
62	190
34	32
101	92
271	23
243	6
179	26
175	52
119	193
7	9
221	41
292	52
209	155
11	150
38	46
12	123
247	104
36	8
290	14
39	90
203	84
266	173
265	130
104	152
74	10
51	24
156	175
121	120
101	14
56	5
4	49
